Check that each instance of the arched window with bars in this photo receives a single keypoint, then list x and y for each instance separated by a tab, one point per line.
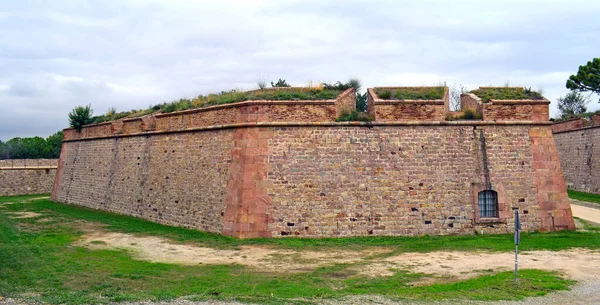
488	204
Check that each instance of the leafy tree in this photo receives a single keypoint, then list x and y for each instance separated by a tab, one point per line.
572	105
280	83
4	151
28	148
587	78
32	148
79	116
361	102
54	143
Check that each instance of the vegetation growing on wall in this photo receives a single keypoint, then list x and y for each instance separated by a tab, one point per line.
468	115
32	148
354	116
227	97
506	93
361	99
410	93
79	116
279	83
281	91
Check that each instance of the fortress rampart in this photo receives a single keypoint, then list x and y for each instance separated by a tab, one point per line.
578	143
286	168
27	176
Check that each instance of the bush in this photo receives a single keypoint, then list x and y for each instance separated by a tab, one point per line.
386	95
79	116
280	83
353	116
468	114
503	93
351	83
362	104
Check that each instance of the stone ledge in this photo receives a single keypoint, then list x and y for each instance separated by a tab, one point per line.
418	102
379	101
578	129
28	167
323	124
249	103
519	102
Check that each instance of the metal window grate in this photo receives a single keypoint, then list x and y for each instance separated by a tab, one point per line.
488	203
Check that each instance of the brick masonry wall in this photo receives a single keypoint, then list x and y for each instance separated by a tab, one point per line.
24	177
404	111
407	110
323	180
516	111
596	119
570	125
408	180
236	113
579	152
284	168
470	101
175	179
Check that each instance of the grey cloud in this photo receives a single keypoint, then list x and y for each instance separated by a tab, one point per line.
22	89
130	54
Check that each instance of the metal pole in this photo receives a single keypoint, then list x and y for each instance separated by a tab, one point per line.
517	242
516	263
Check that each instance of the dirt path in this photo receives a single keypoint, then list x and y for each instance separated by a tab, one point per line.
586	213
574	263
21	215
160	250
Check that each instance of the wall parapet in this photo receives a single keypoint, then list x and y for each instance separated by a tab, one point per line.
229	114
28	164
319	124
27	176
407	109
576	124
506	109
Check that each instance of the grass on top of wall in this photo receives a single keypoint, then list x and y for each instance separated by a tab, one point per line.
228	97
589	197
39	262
506	93
410	93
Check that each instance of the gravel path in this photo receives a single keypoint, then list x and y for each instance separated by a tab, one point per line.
586	212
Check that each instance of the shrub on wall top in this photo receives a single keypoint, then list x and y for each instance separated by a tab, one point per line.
79	116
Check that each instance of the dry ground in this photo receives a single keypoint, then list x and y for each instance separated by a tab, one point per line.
582	265
575	263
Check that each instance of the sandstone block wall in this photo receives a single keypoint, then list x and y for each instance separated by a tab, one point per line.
570	125
472	102
407	110
25	177
176	179
578	144
411	180
516	110
260	171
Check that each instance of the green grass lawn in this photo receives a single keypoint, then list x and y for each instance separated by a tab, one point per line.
584	196
38	261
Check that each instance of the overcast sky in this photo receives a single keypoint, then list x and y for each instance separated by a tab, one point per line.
57	54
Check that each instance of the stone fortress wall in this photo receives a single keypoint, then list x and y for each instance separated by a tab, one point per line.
578	144
286	168
27	176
